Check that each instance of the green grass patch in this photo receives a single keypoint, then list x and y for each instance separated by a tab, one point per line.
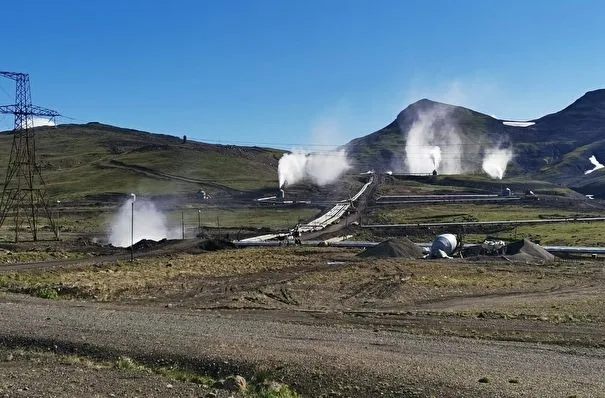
127	363
183	375
46	292
456	212
556	234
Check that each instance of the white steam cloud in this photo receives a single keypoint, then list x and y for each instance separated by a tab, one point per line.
320	168
434	144
435	154
495	162
149	223
39	122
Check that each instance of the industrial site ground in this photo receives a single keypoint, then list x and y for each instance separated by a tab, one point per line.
323	321
189	315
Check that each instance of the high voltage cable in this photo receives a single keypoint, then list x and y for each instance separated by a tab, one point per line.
302	146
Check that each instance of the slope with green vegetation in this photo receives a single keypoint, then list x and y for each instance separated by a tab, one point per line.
93	159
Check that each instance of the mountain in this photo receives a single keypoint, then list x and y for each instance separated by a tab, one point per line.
84	161
385	148
554	148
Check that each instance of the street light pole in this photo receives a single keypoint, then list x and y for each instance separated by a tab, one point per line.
182	224
57	226
199	221
134	198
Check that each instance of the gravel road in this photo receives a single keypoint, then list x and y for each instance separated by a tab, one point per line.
313	357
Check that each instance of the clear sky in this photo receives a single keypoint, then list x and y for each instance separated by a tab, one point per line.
297	73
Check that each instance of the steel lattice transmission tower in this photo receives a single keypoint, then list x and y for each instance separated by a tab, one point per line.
23	193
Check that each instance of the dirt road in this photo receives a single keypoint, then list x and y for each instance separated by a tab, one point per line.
314	356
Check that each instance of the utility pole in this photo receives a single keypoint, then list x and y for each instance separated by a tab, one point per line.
133	198
23	192
199	221
182	224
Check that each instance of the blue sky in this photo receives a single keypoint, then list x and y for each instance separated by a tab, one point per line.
299	73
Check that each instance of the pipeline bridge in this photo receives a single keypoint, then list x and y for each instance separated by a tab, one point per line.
321	222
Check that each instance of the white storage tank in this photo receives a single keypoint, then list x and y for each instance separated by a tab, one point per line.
443	244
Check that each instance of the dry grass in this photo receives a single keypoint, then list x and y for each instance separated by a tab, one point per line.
329	278
428	280
34	256
549	308
105	282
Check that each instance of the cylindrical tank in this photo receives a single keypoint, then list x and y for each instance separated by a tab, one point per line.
445	243
280	194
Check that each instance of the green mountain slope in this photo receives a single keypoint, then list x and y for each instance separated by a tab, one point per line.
93	159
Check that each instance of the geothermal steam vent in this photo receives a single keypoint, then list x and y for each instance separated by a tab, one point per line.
436	144
319	168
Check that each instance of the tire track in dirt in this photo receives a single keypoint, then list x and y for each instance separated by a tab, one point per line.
489	301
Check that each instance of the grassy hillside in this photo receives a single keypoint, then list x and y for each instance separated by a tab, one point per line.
92	159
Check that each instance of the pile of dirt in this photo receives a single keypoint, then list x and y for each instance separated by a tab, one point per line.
472	251
211	245
394	248
148	244
527	251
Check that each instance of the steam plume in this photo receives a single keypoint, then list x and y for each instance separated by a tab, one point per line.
435	154
320	168
38	122
434	142
149	223
495	162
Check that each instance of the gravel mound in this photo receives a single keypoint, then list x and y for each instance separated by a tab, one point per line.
148	244
394	248
527	251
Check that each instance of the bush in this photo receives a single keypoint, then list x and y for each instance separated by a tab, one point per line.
47	293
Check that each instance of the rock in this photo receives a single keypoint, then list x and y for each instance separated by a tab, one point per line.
237	383
274	387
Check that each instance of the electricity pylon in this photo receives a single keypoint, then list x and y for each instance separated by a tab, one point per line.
23	193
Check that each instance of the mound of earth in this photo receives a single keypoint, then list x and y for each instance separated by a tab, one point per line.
394	248
471	251
527	251
148	244
211	245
